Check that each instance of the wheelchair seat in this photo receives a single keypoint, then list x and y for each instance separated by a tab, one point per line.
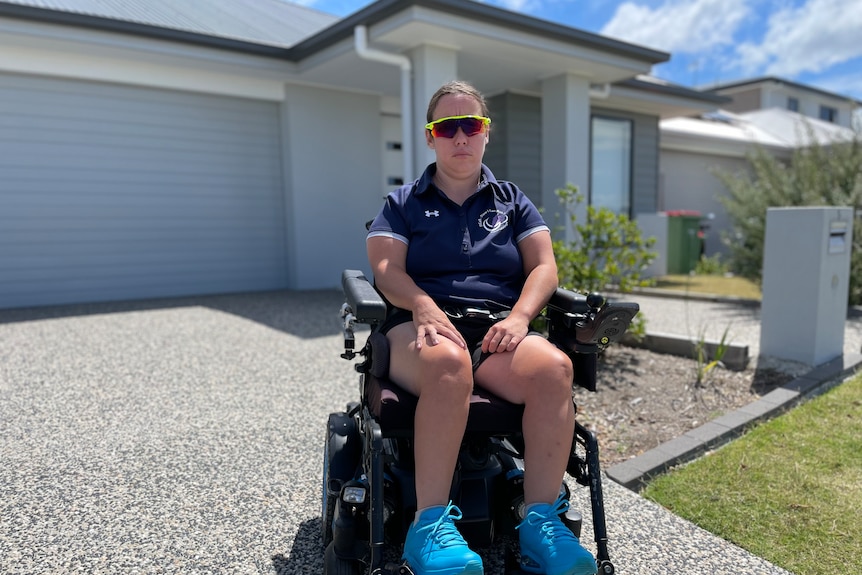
394	408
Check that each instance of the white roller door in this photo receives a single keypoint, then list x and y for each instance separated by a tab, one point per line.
113	192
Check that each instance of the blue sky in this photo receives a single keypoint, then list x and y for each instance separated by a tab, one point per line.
814	42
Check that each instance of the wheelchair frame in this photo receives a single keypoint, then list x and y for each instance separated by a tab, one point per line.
580	325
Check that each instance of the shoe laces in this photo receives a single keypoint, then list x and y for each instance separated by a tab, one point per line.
549	522
443	529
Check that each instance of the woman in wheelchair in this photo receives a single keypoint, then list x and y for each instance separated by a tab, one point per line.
466	263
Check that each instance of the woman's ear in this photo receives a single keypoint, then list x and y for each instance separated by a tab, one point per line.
429	139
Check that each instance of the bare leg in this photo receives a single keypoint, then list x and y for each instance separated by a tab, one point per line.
539	376
441	376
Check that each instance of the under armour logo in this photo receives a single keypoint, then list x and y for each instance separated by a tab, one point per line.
429	213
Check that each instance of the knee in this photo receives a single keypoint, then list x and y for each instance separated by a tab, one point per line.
554	374
448	367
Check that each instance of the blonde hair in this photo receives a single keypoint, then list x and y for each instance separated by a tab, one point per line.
456	87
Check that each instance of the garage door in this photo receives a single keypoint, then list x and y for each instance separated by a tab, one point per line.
111	192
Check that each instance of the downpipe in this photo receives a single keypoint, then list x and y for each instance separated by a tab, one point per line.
360	37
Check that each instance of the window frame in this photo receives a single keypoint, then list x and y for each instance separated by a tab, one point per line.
627	194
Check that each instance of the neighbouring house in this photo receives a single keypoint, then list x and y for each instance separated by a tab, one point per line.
774	114
154	148
770	92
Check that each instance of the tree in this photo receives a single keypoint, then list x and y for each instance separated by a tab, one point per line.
816	175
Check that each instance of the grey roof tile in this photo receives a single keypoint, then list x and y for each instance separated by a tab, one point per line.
270	22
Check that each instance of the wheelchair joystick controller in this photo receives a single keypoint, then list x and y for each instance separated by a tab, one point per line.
595	301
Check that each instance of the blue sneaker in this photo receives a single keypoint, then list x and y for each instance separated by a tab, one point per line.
548	546
434	545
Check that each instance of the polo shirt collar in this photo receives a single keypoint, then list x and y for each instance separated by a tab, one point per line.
426	180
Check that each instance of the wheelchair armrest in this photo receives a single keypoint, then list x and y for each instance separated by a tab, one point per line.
586	323
568	301
365	302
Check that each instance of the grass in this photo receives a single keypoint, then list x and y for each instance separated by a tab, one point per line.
711	284
789	491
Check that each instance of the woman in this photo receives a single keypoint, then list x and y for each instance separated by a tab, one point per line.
458	238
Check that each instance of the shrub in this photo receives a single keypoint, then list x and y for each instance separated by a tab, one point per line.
609	250
819	175
711	266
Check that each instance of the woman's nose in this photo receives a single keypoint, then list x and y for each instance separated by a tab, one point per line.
460	137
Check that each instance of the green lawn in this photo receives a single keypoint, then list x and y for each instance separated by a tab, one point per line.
711	284
789	491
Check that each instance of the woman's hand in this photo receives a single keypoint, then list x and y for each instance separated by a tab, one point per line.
505	335
431	323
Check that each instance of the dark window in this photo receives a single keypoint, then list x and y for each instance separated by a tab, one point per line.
793	104
611	164
829	114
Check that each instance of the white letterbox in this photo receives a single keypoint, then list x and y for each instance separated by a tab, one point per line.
806	280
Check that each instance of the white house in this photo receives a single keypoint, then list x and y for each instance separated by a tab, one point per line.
155	148
768	92
776	115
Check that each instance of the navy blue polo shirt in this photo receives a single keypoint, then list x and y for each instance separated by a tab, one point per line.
463	255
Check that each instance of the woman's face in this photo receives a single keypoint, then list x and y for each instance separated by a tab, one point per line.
462	154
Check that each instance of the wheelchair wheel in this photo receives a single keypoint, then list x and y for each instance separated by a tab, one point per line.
335	565
341	456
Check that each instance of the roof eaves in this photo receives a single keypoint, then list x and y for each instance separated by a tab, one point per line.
383	9
674	90
50	16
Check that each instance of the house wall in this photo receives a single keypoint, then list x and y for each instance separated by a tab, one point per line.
514	151
775	95
332	161
744	100
689	183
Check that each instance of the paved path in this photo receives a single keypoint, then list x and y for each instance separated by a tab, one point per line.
695	318
185	436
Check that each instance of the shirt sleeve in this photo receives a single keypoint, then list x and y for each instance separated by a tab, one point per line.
391	221
529	219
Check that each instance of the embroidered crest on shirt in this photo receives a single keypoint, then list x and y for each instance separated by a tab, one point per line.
493	220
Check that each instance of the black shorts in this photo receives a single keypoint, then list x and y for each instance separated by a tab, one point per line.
473	330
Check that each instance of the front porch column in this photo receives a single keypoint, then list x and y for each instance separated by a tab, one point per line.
565	142
433	66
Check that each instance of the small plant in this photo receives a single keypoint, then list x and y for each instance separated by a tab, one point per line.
701	355
711	266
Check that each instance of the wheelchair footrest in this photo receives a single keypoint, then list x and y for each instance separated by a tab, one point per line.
512	566
395	569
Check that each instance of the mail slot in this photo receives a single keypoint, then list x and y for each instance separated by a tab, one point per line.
838	237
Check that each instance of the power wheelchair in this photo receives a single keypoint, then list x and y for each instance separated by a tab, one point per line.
368	484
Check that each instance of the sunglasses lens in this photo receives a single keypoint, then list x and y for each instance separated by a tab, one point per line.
448	128
471	126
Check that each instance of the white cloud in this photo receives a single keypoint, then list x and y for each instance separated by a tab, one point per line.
524	6
808	38
682	26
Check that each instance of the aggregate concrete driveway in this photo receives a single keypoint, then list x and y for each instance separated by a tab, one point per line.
186	435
